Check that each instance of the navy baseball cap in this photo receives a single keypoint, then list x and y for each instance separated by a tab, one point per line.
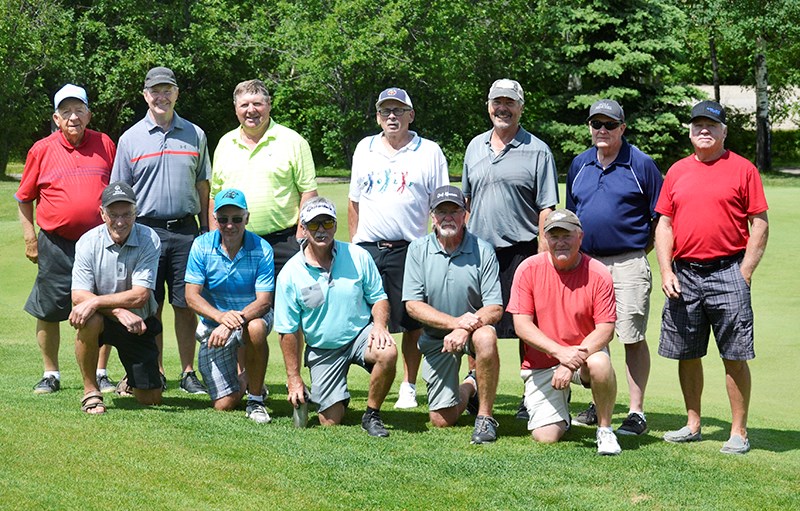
709	109
396	94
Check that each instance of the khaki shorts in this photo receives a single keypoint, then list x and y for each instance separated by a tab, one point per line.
632	284
546	405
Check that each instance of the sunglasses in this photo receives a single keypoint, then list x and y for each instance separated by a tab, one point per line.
223	220
326	224
609	125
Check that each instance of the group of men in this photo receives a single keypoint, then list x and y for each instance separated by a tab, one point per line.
501	262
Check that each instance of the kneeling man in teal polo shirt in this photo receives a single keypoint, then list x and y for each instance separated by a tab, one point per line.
332	290
451	285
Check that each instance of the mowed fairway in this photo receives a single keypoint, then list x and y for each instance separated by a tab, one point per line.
183	455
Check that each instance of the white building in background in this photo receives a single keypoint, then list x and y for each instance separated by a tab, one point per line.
743	99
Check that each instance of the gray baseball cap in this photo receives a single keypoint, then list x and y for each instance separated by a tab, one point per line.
609	108
506	88
159	75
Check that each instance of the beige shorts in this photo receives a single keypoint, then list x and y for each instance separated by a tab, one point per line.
546	405
632	284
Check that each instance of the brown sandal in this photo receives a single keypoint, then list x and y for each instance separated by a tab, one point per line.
92	403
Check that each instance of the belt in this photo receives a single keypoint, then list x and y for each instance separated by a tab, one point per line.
713	265
384	244
169	225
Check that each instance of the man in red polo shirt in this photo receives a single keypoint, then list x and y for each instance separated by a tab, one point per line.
710	237
65	173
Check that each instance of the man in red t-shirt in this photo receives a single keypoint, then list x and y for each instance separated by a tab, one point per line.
709	239
564	311
65	173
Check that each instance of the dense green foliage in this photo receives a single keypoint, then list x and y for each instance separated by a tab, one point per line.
326	60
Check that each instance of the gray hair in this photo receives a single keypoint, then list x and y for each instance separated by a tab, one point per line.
250	87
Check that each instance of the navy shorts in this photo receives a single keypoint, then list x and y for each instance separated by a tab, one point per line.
284	246
717	301
137	353
391	263
51	297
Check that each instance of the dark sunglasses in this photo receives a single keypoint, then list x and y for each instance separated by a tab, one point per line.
326	224
609	125
235	219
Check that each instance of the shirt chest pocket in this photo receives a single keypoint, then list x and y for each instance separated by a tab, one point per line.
312	296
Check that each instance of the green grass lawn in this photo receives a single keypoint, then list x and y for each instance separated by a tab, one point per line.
183	455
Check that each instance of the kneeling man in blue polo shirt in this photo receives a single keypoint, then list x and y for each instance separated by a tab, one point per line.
230	283
452	286
332	290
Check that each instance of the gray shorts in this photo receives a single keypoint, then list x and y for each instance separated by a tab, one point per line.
440	372
329	368
632	284
717	300
51	297
219	366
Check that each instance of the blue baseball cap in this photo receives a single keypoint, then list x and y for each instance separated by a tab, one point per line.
70	91
230	197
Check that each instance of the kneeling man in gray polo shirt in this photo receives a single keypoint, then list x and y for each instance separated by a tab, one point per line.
451	286
112	294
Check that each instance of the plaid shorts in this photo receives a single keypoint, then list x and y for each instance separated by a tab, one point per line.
717	301
219	366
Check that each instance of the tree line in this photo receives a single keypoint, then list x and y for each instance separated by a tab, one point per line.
325	61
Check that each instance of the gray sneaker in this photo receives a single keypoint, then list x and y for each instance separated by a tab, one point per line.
485	430
105	384
372	424
192	385
257	413
47	385
735	445
587	417
682	435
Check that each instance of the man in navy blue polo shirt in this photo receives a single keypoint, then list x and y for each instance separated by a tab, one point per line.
613	188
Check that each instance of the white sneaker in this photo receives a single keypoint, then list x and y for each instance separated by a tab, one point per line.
607	442
406	396
256	412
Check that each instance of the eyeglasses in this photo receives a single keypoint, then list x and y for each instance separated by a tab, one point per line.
326	224
164	93
398	112
123	216
609	125
235	219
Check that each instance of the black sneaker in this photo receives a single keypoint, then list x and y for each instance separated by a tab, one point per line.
47	385
105	384
634	424
190	384
371	423
522	411
587	417
485	430
473	403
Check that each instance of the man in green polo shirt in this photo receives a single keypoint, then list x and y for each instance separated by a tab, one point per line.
272	163
452	286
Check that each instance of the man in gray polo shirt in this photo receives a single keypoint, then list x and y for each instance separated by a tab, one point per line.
451	286
511	185
165	159
112	295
